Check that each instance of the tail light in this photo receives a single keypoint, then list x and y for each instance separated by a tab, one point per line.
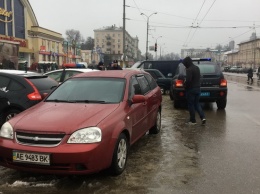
34	95
179	83
223	83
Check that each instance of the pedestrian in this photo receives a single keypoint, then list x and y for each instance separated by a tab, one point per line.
100	65
192	88
258	73
250	75
115	66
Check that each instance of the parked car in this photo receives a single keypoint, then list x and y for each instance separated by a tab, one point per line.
167	68
163	82
213	84
62	74
85	125
19	90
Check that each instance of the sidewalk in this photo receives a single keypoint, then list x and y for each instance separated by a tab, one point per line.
242	78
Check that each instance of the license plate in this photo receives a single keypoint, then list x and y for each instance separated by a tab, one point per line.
204	94
35	158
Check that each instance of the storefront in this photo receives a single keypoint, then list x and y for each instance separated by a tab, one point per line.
19	24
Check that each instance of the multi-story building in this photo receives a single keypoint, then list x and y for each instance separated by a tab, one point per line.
248	54
18	25
109	44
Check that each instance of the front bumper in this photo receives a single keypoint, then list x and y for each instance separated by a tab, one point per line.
64	158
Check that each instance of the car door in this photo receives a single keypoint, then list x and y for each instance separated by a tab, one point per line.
137	112
153	95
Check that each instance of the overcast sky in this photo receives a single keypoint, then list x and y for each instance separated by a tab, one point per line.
181	23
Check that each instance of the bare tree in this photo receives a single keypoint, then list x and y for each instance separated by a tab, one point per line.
74	36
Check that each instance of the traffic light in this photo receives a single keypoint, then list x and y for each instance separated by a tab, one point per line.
155	47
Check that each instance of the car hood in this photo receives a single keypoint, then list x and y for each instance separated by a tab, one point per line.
62	117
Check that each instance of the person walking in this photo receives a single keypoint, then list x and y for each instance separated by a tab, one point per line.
192	88
115	66
250	75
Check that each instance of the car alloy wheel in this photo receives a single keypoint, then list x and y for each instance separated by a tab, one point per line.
120	155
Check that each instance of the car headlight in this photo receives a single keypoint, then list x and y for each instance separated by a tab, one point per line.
7	131
86	135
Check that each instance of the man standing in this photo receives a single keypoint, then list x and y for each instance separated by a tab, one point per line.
115	66
192	87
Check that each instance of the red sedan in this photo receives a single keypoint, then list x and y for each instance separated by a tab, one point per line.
85	125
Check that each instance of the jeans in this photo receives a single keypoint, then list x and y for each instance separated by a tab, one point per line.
193	96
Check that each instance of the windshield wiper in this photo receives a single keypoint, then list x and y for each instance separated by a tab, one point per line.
91	101
57	100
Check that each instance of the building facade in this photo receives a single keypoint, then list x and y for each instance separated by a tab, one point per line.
109	44
18	24
247	55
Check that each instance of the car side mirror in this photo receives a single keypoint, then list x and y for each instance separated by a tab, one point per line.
138	99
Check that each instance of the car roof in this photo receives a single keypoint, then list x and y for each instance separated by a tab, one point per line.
20	72
73	69
112	73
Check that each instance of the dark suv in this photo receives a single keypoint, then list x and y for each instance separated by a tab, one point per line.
213	84
20	90
163	82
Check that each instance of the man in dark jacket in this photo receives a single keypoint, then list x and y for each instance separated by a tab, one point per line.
115	66
192	87
250	75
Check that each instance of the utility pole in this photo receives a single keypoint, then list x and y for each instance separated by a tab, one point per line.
124	35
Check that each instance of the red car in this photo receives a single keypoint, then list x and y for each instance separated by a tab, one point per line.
85	125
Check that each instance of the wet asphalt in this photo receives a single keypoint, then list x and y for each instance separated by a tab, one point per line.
221	157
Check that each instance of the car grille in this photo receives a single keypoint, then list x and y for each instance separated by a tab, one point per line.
39	139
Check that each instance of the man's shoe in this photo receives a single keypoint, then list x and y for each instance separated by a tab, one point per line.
203	121
191	123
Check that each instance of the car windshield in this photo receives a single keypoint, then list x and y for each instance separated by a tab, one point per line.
89	90
205	68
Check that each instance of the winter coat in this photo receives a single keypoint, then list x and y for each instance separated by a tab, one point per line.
192	74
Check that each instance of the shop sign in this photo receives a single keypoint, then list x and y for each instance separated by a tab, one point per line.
42	48
23	43
7	14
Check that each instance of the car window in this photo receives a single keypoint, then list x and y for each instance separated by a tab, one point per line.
4	81
151	81
55	75
209	69
147	65
145	87
15	86
108	90
43	84
181	70
70	74
134	87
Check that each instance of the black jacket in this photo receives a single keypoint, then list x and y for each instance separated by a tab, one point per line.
192	74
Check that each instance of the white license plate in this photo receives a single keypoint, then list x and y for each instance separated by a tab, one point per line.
35	158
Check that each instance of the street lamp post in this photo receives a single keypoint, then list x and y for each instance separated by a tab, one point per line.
147	32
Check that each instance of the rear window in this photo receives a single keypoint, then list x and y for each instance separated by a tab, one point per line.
209	69
43	84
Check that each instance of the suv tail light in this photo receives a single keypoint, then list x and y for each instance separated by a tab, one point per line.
179	83
34	95
223	83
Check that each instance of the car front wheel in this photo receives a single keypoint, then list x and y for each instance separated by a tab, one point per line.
120	155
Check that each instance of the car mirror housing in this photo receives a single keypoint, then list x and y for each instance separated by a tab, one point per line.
138	99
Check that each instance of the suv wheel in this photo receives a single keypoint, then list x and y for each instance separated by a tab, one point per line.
176	104
221	104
